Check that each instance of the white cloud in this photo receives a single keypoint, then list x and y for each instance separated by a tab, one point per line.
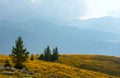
112	41
36	2
115	13
33	1
101	8
61	9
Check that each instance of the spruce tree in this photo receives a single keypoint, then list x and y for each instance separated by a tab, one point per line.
47	54
41	57
55	54
19	54
32	57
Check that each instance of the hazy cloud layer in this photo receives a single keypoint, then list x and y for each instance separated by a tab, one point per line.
47	9
102	8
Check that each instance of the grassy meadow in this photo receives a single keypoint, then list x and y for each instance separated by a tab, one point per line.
69	66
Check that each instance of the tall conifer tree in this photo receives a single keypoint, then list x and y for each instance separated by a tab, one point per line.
19	54
47	54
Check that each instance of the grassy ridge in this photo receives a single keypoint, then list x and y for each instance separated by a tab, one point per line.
61	70
66	68
100	63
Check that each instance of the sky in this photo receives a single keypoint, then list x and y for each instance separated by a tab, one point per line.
102	8
66	10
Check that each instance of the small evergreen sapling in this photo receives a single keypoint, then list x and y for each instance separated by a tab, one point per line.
7	63
41	57
32	57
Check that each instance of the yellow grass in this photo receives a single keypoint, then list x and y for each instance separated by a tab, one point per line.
57	70
100	63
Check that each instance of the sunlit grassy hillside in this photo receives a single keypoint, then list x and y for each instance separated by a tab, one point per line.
100	63
66	68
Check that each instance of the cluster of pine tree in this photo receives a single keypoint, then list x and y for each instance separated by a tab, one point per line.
19	54
48	56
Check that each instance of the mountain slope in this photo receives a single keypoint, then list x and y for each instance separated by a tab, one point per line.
100	63
107	24
51	69
37	34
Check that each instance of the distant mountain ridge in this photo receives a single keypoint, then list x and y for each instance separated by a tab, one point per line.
107	24
37	34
